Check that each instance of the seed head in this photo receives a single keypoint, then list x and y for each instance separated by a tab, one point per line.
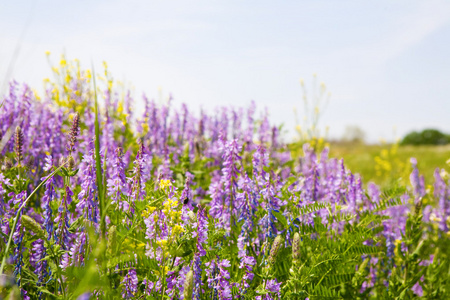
18	138
188	285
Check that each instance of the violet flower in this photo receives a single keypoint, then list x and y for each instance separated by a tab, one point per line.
117	184
62	219
49	196
130	283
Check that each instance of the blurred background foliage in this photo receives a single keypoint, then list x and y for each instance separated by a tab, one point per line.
386	164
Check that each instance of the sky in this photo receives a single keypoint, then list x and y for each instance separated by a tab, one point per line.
385	63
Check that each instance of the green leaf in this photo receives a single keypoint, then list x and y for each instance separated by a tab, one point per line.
281	218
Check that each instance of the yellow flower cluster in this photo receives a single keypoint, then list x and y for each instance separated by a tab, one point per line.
170	212
164	183
165	270
129	246
148	211
162	243
397	250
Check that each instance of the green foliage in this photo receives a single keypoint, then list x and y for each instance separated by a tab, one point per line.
426	137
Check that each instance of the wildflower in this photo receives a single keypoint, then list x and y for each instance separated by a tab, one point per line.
164	183
117	185
37	259
73	133
273	286
49	196
202	231
62	232
130	282
48	162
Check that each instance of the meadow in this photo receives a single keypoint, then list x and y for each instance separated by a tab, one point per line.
100	200
384	164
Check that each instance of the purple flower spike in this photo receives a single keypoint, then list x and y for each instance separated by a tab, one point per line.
130	282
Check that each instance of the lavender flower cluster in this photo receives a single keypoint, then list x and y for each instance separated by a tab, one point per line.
199	207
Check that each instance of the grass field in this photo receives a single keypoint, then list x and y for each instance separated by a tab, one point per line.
382	163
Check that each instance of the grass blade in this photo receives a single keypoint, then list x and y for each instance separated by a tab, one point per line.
8	245
98	164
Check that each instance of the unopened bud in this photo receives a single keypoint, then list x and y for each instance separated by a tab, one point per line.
73	133
30	163
18	139
62	161
111	244
7	164
418	207
192	216
275	248
296	246
31	225
70	162
362	270
394	272
188	285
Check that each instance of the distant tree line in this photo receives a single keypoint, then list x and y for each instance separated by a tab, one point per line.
426	137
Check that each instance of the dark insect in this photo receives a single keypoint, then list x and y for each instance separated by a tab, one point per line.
186	200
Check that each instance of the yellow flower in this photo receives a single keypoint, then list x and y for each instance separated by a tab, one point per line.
164	183
165	270
162	243
177	229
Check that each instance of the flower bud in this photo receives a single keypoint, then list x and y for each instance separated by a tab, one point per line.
70	162
111	244
18	149
31	225
192	216
30	163
418	207
275	248
73	133
296	246
62	161
362	270
188	285
7	164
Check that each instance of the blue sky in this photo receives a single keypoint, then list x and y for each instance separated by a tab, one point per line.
386	63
